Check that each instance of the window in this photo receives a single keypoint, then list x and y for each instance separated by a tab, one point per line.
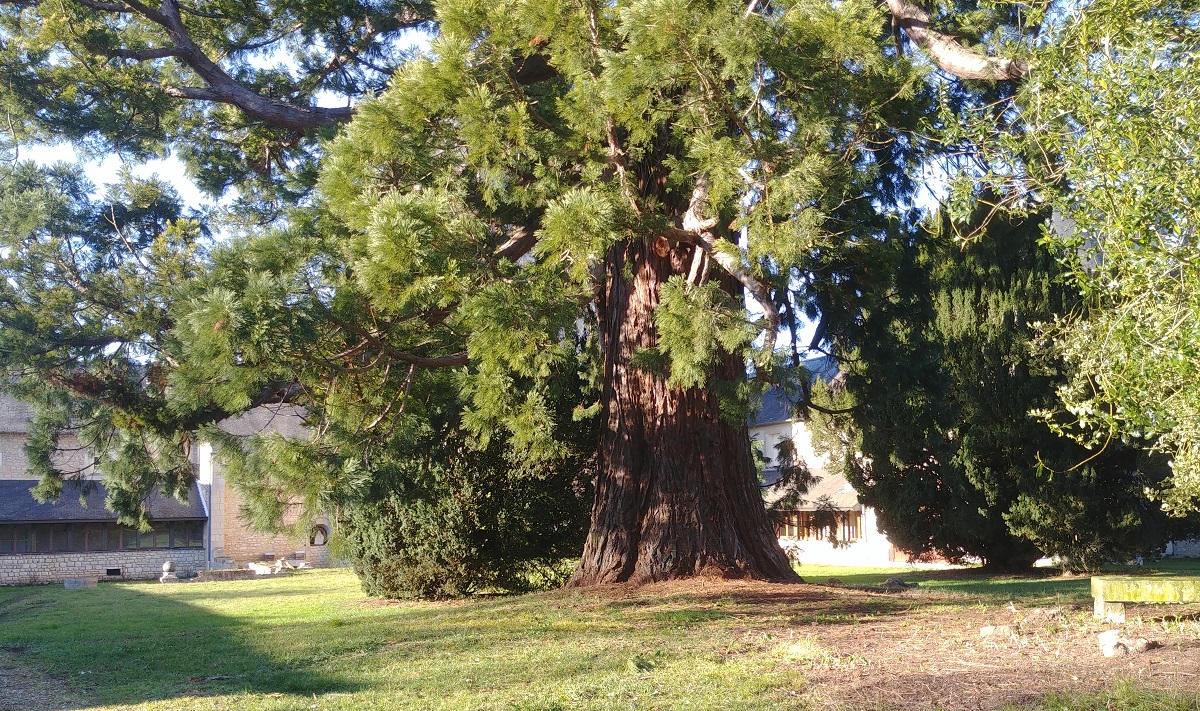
845	526
851	525
95	537
187	534
195	534
161	535
82	537
39	541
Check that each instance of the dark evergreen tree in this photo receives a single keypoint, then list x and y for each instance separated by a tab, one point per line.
944	383
450	519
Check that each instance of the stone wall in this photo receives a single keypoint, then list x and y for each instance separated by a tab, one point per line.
1189	548
235	543
70	457
29	569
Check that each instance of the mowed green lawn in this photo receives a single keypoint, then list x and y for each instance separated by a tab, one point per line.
314	641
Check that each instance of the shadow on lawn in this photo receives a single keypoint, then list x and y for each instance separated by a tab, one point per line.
1031	587
123	644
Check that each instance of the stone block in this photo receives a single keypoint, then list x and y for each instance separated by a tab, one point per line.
223	575
79	583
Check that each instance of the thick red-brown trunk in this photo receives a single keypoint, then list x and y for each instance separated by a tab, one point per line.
677	493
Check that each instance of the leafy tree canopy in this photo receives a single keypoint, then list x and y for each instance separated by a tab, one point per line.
558	190
238	90
1106	134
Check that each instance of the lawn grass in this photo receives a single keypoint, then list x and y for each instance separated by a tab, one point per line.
314	641
1043	586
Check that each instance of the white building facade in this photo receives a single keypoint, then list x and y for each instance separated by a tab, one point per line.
829	526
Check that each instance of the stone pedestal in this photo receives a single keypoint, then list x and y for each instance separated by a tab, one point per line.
168	575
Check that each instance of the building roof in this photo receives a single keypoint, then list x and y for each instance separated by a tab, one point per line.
779	406
839	493
17	505
829	488
284	418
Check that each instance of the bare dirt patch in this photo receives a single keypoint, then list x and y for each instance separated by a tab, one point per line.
920	649
23	687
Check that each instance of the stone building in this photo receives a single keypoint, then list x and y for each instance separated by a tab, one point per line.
232	542
77	537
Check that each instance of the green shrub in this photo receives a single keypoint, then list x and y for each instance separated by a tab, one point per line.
457	520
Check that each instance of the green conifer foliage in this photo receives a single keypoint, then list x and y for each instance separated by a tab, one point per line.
557	168
947	447
241	91
557	191
86	307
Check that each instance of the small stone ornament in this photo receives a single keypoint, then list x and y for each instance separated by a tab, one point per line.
168	575
1112	644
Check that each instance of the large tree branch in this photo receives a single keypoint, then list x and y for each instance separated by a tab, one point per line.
947	52
144	55
195	93
101	6
222	87
374	339
520	242
697	231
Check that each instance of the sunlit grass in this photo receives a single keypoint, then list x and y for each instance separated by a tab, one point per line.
1040	586
314	640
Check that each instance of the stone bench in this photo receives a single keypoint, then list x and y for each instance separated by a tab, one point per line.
1110	593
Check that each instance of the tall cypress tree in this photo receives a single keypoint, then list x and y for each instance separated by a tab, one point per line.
945	386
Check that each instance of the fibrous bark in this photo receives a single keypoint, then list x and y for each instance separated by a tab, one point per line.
677	494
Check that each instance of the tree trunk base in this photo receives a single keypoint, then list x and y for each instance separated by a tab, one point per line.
677	493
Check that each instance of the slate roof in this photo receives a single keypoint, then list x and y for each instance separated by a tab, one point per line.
17	505
778	406
286	419
841	495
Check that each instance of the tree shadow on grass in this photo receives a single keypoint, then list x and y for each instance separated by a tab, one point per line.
1031	587
128	643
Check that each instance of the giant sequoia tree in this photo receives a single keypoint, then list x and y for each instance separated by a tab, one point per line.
556	187
597	185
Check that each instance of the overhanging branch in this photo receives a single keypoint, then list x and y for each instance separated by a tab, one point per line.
947	52
219	85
